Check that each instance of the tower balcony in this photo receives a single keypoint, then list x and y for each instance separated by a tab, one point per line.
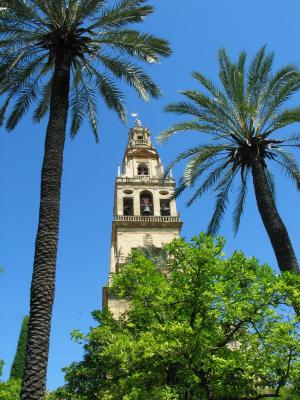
144	218
139	142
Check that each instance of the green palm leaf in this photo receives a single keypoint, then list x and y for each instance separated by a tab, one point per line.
212	178
289	165
133	75
271	183
24	100
44	103
240	202
221	202
125	12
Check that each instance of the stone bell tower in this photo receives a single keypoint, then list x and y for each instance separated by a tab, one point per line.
144	212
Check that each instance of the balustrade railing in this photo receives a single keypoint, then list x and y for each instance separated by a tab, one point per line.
141	141
144	178
143	218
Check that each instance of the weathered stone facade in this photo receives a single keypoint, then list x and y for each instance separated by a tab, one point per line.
144	212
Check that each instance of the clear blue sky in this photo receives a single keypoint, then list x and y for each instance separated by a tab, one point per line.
196	30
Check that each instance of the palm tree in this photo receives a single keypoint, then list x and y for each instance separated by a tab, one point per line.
63	54
242	118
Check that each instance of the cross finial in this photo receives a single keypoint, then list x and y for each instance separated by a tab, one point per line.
137	121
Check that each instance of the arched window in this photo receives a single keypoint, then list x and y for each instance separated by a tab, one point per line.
165	210
143	169
128	206
146	203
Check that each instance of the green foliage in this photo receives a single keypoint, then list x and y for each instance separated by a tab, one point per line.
10	390
199	327
240	117
99	43
18	366
1	367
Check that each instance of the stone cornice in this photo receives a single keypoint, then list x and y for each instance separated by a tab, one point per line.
142	181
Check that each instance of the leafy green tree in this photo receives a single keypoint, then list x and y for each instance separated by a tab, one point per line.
18	365
242	118
201	327
10	390
63	54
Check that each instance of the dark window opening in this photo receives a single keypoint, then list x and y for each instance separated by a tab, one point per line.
128	205
140	137
165	210
146	203
143	169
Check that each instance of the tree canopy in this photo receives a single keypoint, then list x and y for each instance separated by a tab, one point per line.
199	327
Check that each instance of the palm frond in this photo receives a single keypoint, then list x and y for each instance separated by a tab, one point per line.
24	100
210	86
142	46
112	96
77	108
89	98
3	110
233	80
271	183
199	155
292	138
44	103
132	74
240	202
284	93
197	170
240	65
87	9
24	13
185	108
221	202
208	104
21	64
212	178
289	165
225	67
274	84
185	126
284	118
203	154
123	13
258	75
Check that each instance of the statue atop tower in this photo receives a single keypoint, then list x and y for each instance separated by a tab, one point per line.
144	210
137	122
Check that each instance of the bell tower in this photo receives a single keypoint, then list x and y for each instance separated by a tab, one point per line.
144	211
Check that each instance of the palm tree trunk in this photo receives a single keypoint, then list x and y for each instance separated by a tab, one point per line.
43	278
274	225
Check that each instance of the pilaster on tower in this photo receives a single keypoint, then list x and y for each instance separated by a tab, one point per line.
144	211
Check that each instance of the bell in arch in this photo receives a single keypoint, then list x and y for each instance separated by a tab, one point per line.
147	210
146	206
